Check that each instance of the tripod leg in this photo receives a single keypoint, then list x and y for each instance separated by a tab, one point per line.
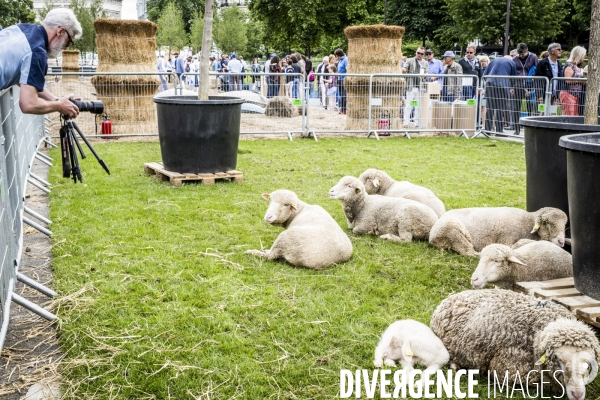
75	171
64	152
77	142
100	161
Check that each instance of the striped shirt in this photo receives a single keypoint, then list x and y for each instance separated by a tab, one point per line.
23	56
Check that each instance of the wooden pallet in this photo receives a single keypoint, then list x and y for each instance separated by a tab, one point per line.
177	179
562	291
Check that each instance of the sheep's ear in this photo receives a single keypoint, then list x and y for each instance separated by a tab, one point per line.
266	196
536	227
376	182
293	206
514	259
357	190
407	352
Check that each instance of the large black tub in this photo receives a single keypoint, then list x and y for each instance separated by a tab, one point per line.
546	162
583	182
198	136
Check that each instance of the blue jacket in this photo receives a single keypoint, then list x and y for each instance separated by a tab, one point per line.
501	67
179	67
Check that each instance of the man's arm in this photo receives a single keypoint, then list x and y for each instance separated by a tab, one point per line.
33	102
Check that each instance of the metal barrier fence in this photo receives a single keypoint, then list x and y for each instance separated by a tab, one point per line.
20	136
508	98
567	96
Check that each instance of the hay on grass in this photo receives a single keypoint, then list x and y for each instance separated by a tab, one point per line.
70	63
374	49
127	46
280	106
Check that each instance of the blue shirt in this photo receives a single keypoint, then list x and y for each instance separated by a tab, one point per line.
342	67
501	67
23	56
436	67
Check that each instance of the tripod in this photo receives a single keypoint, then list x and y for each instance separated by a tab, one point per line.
68	142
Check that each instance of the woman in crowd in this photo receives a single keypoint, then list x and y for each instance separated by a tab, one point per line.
274	80
322	69
331	88
256	69
573	98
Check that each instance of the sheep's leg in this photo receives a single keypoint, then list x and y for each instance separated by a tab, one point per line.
404	237
261	253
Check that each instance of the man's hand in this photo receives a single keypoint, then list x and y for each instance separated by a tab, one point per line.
33	102
66	107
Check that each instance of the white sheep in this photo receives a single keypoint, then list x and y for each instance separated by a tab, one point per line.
394	219
501	331
410	342
468	230
379	182
311	239
535	261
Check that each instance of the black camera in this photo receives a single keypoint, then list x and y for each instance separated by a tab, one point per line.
94	106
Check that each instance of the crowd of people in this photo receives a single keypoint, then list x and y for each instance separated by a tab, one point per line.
521	95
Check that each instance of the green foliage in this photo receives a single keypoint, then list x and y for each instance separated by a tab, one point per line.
87	41
419	17
16	11
531	21
171	30
187	8
158	300
197	31
255	36
583	13
230	30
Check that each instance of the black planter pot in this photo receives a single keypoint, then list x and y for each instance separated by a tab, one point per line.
546	162
583	177
198	136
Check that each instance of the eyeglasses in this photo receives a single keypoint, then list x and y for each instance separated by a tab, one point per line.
558	49
429	54
420	53
70	42
470	52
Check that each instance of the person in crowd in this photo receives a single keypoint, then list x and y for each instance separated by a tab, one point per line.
224	77
526	64
453	88
256	70
297	69
435	66
24	53
290	78
235	69
189	71
170	67
550	67
161	66
244	64
414	65
342	69
196	69
513	53
484	61
498	91
404	59
321	71
332	87
543	54
470	66
267	69
274	80
179	65
572	98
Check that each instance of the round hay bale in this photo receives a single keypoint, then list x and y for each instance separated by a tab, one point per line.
127	46
280	106
70	63
373	49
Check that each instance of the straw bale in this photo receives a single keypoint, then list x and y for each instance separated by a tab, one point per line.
70	63
375	49
280	106
127	46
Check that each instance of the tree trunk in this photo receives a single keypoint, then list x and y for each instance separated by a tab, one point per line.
204	78
593	82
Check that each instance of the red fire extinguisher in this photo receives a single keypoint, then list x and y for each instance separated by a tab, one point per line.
106	127
384	124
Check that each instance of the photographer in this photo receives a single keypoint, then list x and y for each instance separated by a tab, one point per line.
24	53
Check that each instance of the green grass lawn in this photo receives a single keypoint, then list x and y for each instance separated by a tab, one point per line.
159	300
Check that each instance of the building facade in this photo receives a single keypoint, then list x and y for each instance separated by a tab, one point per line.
141	9
112	8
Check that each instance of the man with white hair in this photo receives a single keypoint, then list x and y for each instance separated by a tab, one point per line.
24	53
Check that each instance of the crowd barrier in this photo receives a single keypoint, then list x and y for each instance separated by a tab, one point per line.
20	136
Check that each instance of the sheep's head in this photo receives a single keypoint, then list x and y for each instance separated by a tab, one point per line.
372	179
347	188
283	205
550	224
494	265
572	347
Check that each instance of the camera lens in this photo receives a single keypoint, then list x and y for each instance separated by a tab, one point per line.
94	107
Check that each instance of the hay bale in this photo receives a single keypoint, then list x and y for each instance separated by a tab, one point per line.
280	106
70	63
127	46
373	49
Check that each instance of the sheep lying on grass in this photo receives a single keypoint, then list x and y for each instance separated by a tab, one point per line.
311	239
535	261
468	230
410	342
379	182
498	330
394	219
